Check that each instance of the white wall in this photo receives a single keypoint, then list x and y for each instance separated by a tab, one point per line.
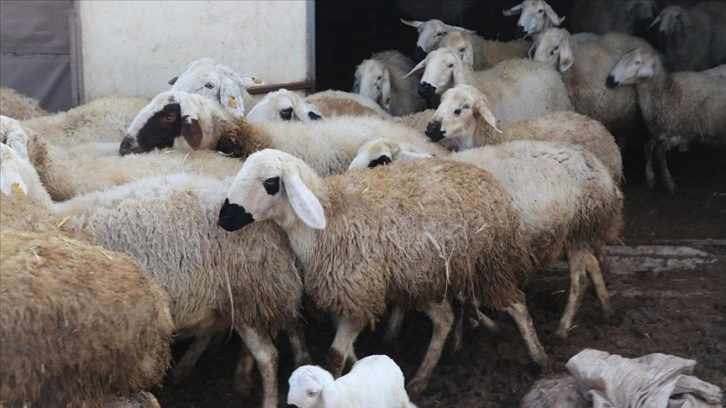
133	48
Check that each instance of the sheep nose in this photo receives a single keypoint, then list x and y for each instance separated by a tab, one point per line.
286	114
434	132
128	145
519	31
426	90
610	82
419	54
233	216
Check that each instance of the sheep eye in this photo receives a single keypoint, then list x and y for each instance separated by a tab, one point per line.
466	106
286	114
209	85
554	50
540	11
637	62
451	65
461	49
170	117
379	78
272	185
457	112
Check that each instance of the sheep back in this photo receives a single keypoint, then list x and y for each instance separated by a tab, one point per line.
339	103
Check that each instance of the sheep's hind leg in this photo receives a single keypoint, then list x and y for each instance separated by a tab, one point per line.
660	153
260	345
593	269
296	335
578	274
649	174
243	381
342	347
184	367
520	314
442	316
393	328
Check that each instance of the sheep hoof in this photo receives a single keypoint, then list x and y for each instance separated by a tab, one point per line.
416	387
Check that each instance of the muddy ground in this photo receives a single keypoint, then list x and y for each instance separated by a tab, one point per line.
679	308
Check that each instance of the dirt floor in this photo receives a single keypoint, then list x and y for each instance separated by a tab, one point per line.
678	310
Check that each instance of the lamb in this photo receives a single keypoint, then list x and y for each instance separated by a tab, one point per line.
79	324
365	238
19	106
381	78
374	381
204	125
679	108
219	83
248	281
584	67
483	54
516	89
430	34
465	118
602	17
102	120
536	17
564	194
285	105
695	39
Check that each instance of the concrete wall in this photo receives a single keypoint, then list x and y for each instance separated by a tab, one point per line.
133	48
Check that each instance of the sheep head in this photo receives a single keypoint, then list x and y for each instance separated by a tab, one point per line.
430	34
635	66
282	105
442	69
536	16
373	80
459	115
273	185
383	151
554	48
13	134
457	42
311	386
671	21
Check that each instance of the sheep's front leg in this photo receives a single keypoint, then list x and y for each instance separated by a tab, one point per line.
342	347
578	274
442	316
260	345
660	153
519	312
649	174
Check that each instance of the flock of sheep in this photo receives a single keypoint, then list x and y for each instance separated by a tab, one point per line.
225	211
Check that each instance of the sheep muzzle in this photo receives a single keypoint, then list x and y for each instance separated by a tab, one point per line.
233	216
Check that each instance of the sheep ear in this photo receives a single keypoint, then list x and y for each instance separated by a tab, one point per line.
655	21
566	57
412	23
459	72
231	98
11	182
304	111
481	108
192	132
468	56
686	19
556	20
513	11
173	80
418	68
386	89
249	81
646	70
303	201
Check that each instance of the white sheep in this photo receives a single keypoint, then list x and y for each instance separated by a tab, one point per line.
515	89
564	194
381	78
219	83
679	108
481	53
284	105
695	38
168	223
430	34
18	106
536	17
199	124
584	66
78	324
374	381
465	119
365	238
602	17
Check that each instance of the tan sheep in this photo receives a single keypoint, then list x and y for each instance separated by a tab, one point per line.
18	106
483	54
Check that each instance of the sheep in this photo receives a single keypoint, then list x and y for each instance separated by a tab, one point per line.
219	83
679	108
204	125
141	400
536	17
365	238
282	105
516	89
248	281
695	39
19	106
483	54
374	381
430	34
465	118
79	324
102	120
380	78
566	197
584	67
602	17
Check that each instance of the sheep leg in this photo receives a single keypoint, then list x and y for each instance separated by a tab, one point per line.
519	313
260	345
393	328
243	381
185	366
296	335
342	347
578	275
649	174
471	308
660	153
442	316
457	329
593	269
